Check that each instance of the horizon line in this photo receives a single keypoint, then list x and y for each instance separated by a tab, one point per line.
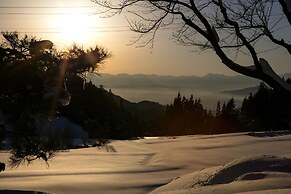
169	75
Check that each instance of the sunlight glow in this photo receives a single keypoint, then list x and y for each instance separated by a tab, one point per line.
75	27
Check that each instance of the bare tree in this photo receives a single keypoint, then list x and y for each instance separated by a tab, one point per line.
228	27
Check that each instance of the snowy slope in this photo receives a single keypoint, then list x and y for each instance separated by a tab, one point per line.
165	164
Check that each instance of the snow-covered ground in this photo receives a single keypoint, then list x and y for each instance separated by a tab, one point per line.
228	163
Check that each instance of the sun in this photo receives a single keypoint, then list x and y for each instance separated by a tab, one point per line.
74	27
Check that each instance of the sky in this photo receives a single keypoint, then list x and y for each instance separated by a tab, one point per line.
67	21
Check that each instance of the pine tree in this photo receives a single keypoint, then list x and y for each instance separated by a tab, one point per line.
218	110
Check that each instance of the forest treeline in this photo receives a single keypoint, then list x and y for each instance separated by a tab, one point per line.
265	110
106	115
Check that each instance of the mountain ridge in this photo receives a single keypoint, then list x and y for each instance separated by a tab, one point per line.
164	88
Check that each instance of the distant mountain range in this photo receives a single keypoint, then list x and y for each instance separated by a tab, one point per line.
210	81
163	89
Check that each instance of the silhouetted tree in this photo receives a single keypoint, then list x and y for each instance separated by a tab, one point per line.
33	87
267	109
218	110
177	105
227	27
186	116
226	119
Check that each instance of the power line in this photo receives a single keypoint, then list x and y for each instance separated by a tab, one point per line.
104	29
96	27
41	13
48	7
60	32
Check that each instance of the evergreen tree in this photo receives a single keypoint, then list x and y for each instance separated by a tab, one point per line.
177	105
266	110
33	88
218	110
186	116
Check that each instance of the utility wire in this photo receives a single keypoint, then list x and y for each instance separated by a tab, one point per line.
90	29
47	7
41	13
96	27
99	29
60	32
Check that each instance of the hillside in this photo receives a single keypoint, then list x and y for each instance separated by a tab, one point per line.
147	110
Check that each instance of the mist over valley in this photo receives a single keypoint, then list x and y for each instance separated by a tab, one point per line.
163	89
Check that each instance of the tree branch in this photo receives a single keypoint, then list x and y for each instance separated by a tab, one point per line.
286	11
276	41
239	34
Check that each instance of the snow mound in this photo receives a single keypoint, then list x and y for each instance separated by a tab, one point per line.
234	176
249	168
